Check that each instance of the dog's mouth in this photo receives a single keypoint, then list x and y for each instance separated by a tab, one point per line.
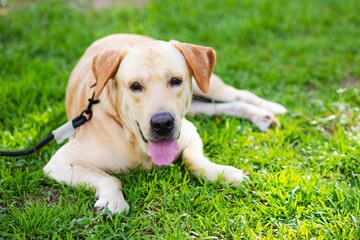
162	151
141	133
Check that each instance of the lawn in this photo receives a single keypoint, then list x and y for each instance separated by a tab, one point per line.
304	176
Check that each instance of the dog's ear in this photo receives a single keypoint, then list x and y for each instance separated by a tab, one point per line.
104	67
201	61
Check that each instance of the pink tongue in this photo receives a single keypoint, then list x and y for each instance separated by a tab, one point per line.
163	152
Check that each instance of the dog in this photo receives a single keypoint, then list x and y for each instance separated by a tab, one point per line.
145	88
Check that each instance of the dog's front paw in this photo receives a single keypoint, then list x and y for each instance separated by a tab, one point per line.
232	176
115	202
265	120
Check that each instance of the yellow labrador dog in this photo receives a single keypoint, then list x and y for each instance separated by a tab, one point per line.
145	88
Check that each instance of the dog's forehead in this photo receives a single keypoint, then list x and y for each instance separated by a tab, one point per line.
156	55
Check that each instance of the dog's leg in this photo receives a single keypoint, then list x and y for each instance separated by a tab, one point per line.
262	118
219	91
66	166
200	166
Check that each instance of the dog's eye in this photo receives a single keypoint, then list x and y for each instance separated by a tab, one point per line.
175	81
136	87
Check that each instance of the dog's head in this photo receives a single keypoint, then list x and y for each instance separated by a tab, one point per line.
152	88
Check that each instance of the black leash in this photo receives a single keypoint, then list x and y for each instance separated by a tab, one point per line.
59	134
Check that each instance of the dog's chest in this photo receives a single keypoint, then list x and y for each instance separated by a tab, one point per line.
130	156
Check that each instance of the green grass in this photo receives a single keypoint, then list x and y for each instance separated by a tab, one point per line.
304	176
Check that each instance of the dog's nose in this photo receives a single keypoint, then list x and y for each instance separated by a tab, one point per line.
162	123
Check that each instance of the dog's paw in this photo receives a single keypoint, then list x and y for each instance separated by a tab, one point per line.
265	120
232	176
115	202
273	107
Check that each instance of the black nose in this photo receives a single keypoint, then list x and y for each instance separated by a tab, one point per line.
162	123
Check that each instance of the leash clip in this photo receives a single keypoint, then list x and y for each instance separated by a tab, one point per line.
88	111
87	114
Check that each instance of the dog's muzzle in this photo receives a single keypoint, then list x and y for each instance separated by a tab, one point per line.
162	127
162	142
